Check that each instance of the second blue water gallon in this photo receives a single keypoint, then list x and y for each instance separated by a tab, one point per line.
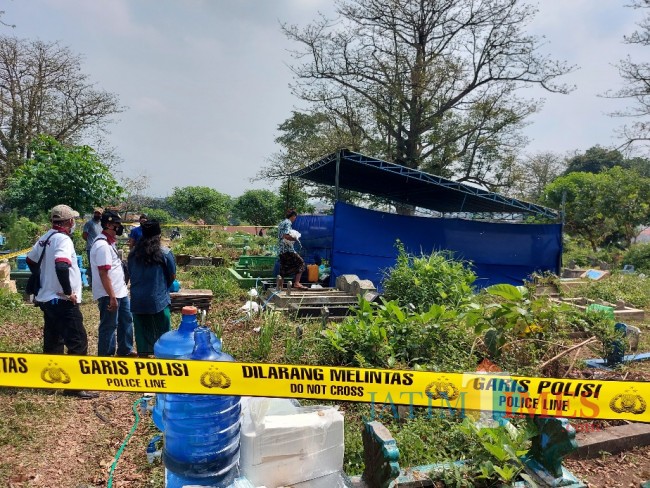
201	440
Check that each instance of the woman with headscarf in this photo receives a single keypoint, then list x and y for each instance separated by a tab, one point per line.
291	264
152	269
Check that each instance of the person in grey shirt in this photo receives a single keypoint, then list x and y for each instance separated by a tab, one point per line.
91	230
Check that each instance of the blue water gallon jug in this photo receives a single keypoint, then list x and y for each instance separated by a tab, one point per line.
173	345
201	444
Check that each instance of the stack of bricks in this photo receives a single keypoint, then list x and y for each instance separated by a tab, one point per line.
5	277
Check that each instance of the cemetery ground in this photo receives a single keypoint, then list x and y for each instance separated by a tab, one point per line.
49	440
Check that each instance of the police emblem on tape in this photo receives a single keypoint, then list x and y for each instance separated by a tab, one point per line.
629	402
52	373
442	390
213	378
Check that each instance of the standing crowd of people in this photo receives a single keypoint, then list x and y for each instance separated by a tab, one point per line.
132	295
139	311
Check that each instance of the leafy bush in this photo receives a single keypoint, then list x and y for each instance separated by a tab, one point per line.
518	329
22	233
497	456
638	256
196	237
383	335
428	280
10	301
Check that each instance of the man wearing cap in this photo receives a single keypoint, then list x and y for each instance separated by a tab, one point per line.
115	333
136	233
60	292
92	228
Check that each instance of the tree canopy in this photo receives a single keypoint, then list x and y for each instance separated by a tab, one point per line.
58	173
636	79
258	207
44	91
429	84
600	205
201	202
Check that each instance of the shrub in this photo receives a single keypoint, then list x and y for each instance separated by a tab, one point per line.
638	256
428	280
383	335
22	233
196	237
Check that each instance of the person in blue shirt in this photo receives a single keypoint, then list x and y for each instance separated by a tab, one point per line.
152	269
290	261
136	232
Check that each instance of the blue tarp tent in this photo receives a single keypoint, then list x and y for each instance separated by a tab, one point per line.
363	241
364	244
317	233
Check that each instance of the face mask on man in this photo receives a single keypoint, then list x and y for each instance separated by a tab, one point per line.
97	217
119	230
74	226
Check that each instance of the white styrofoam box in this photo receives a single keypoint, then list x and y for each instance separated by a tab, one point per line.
333	480
279	450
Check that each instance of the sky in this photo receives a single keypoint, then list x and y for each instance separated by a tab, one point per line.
205	83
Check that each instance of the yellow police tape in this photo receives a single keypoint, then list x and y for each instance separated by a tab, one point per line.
510	395
14	254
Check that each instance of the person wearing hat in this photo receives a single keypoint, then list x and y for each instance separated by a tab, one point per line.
60	289
92	228
152	269
136	232
115	334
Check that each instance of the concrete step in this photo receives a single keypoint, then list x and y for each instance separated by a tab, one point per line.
306	298
336	318
301	311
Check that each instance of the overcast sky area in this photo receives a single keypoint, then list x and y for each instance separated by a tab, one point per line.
205	82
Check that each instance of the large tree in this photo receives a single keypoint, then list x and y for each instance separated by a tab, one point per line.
44	91
58	173
636	78
533	173
201	202
600	205
429	84
598	159
258	207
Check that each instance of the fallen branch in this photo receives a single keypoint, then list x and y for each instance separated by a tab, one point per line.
567	351
572	364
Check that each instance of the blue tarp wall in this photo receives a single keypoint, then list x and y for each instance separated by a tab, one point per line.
364	244
317	232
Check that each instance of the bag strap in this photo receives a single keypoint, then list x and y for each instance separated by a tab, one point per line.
38	265
102	237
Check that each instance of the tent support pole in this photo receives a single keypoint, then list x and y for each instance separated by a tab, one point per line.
336	176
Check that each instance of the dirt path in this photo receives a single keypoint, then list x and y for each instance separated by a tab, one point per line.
627	469
77	448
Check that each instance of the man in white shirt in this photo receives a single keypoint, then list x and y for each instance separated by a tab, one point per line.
60	289
115	333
